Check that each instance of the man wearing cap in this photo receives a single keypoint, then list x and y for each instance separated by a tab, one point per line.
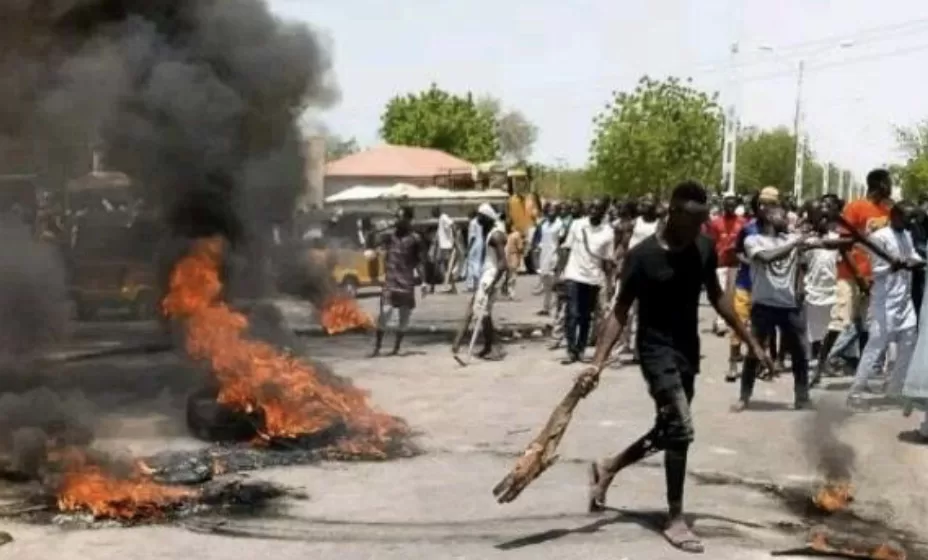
494	267
741	296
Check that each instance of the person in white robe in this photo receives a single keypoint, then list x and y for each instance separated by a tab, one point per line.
551	230
892	313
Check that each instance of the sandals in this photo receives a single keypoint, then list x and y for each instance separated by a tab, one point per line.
679	535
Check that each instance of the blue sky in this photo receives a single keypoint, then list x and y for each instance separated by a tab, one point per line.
558	61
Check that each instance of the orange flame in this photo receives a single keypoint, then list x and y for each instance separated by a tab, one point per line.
341	313
86	486
834	496
883	551
253	375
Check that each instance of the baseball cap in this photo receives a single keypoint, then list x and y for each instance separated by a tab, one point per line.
769	194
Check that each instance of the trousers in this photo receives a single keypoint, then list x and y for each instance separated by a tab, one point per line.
582	300
875	351
765	320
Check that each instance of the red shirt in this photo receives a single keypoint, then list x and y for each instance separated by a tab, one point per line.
724	232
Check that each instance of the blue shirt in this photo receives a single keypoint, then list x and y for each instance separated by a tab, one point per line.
743	278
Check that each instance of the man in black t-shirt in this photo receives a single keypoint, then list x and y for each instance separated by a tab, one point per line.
665	275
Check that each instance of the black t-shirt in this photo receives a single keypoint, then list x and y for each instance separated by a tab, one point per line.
667	285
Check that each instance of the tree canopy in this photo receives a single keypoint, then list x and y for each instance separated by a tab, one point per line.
660	133
438	119
768	158
912	176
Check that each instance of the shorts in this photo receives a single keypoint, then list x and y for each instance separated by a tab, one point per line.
818	317
726	276
672	389
849	306
741	303
484	297
400	302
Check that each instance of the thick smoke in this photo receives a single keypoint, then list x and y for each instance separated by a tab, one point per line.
821	440
33	296
33	316
198	100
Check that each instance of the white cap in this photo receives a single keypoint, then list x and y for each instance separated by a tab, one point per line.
486	210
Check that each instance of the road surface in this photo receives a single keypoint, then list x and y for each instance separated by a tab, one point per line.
472	423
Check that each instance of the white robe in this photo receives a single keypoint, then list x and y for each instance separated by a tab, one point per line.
916	379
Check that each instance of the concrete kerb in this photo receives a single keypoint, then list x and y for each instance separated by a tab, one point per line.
515	331
510	332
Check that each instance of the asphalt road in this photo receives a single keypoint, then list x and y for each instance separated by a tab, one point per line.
472	423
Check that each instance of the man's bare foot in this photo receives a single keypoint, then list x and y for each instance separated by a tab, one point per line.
597	500
679	535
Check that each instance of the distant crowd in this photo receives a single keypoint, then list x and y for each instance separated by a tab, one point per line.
833	287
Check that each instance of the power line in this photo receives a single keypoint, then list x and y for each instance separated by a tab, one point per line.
856	60
808	48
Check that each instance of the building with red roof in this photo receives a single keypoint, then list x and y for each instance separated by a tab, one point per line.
387	165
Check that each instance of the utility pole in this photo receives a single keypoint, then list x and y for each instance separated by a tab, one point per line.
800	141
826	171
730	142
841	186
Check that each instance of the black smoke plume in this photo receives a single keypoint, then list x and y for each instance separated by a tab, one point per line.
197	100
33	317
821	439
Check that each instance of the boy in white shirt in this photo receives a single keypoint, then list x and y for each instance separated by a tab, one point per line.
590	241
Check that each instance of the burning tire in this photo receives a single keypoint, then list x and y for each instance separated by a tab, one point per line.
210	420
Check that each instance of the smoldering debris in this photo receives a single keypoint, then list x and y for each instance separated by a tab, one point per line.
822	442
31	422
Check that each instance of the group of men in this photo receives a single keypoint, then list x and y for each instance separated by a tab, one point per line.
816	279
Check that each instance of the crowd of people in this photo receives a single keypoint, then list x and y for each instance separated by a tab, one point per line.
834	287
831	287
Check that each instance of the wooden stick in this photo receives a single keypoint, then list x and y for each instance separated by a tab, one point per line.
540	453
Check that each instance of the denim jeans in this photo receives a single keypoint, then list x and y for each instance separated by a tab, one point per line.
581	304
764	321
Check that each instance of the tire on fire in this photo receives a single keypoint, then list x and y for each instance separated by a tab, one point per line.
210	420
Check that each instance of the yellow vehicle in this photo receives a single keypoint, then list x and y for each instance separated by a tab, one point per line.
112	267
351	269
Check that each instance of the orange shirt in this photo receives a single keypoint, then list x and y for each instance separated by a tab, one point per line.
866	217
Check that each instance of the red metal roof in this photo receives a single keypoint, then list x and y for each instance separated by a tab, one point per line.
398	161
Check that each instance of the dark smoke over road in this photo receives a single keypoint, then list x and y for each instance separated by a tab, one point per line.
822	442
198	100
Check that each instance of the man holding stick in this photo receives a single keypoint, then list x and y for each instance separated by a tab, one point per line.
481	305
665	275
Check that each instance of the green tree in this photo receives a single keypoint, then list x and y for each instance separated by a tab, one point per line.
660	133
563	182
768	158
912	176
437	119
